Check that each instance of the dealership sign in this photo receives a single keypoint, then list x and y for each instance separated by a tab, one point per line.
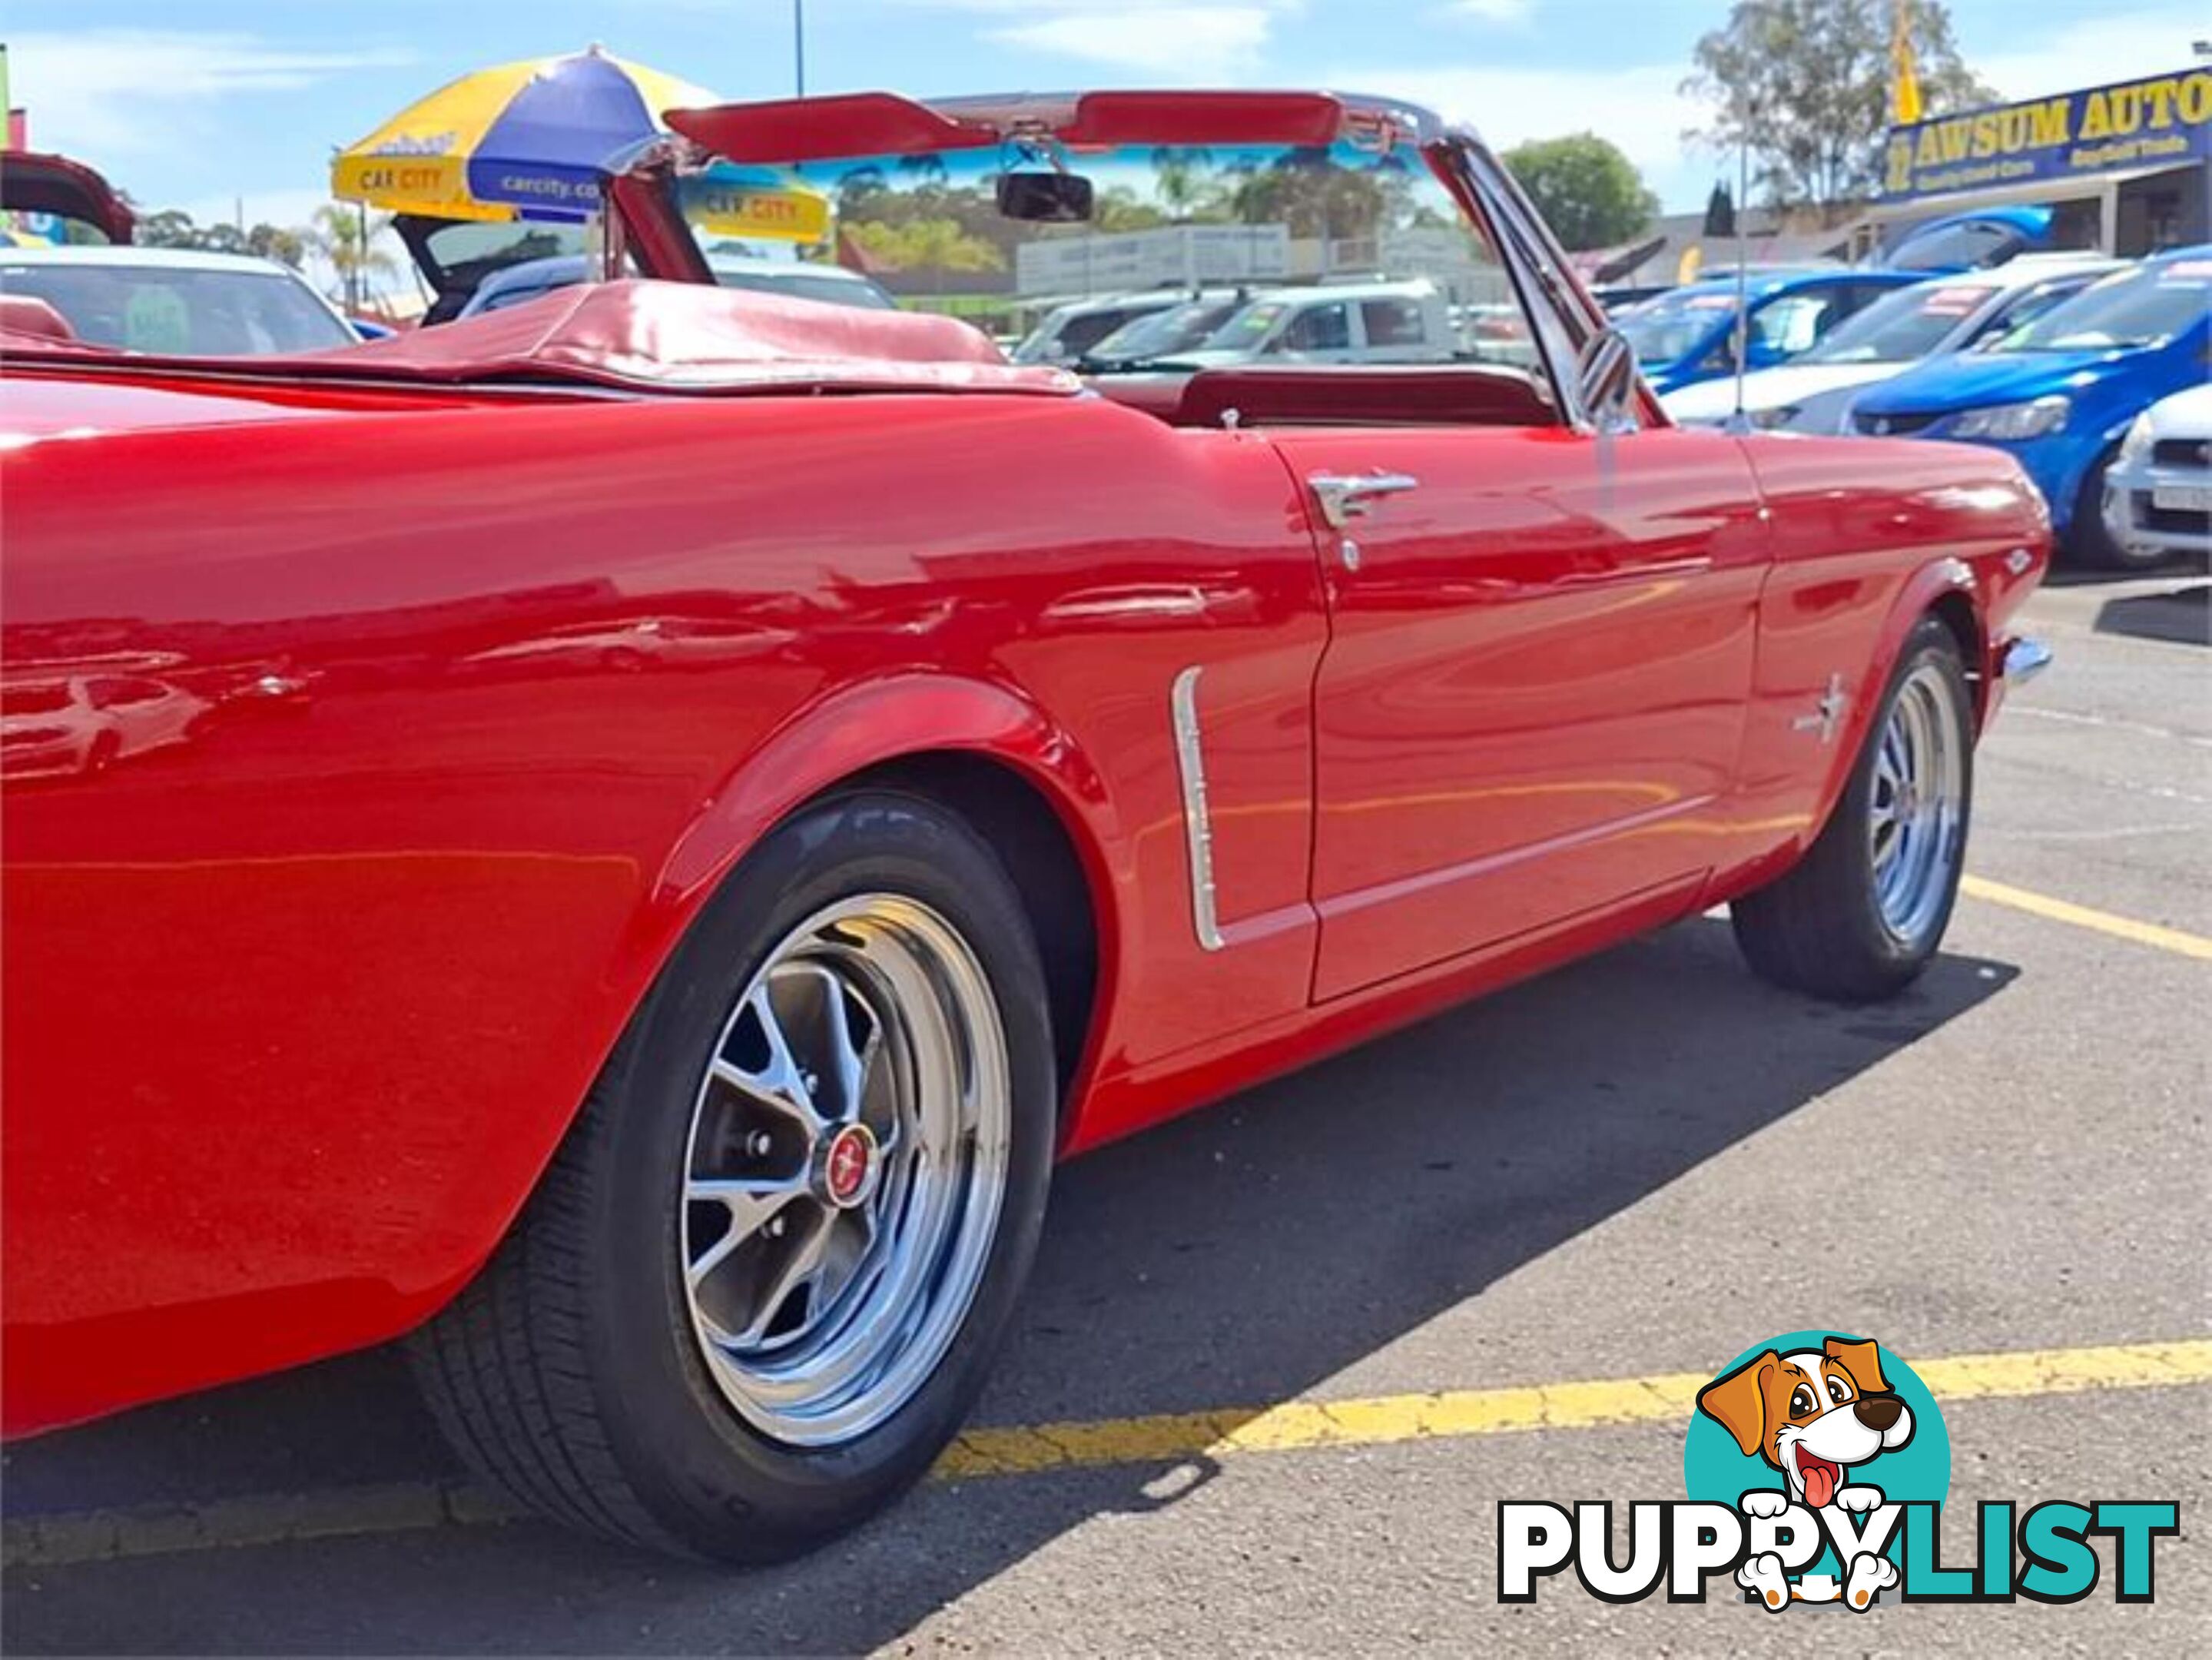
2161	120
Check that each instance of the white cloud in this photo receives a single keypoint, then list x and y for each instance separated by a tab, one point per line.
1640	108
1183	43
107	92
1495	11
2091	51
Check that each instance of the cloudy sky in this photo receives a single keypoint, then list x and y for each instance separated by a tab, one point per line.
197	105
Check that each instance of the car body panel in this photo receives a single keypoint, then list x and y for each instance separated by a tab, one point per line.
34	182
510	650
1554	637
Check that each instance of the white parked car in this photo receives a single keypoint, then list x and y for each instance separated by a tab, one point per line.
2158	489
1406	322
179	301
85	723
1067	332
1814	392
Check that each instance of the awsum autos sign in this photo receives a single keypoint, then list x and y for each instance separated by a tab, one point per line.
2161	120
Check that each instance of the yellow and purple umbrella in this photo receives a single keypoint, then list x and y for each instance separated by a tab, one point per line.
519	141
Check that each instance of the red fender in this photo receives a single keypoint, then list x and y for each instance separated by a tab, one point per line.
1931	582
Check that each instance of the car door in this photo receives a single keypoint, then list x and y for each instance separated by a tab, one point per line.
1531	703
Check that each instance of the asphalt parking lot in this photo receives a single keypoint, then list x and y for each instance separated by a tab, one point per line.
1627	1170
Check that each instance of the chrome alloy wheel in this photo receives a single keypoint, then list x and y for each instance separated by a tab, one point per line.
845	1170
1916	822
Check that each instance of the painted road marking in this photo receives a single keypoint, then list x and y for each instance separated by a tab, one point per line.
279	1518
1301	1424
2081	917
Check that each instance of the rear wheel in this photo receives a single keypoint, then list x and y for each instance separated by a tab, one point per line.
763	1281
1861	915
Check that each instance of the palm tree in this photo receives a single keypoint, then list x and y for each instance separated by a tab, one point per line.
346	236
1177	169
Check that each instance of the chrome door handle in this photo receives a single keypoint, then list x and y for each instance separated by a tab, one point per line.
1343	498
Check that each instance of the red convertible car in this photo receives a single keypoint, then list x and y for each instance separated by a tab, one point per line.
706	797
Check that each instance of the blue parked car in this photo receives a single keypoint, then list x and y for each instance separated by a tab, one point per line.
1687	334
2059	392
1973	241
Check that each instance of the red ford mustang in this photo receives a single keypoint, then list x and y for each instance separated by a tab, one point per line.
672	808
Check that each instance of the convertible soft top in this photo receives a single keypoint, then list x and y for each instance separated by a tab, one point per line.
640	335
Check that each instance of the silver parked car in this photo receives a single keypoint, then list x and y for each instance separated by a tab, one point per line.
2158	489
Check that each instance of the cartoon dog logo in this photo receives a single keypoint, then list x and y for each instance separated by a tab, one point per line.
1815	1415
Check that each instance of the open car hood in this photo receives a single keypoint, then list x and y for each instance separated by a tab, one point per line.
635	335
33	182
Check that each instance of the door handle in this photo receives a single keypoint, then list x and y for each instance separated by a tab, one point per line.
1345	498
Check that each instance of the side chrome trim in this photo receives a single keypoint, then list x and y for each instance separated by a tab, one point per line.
2024	659
1197	826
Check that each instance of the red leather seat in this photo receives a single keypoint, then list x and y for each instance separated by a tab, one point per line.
26	313
1371	394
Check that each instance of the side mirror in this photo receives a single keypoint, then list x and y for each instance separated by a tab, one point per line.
1605	369
1045	198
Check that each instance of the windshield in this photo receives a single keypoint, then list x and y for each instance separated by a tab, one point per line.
1905	325
182	312
470	248
2143	307
1170	228
1665	330
1163	333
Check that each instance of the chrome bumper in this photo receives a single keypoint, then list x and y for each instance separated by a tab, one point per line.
2024	659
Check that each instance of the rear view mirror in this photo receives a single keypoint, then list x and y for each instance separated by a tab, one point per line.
1045	198
1605	369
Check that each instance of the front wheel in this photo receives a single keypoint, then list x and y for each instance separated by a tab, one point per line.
761	1284
1861	915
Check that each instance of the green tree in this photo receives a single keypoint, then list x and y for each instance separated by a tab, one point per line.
937	245
1119	207
172	227
1804	84
1588	192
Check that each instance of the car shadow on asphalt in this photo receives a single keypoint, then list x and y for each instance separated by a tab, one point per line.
2182	616
2178	567
1240	1255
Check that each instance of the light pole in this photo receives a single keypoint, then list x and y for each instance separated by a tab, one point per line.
798	46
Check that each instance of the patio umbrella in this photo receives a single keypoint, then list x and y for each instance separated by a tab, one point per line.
516	141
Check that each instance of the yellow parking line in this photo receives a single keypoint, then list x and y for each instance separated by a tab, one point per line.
1454	1414
58	1541
2081	917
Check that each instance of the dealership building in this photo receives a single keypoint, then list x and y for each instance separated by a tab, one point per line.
2124	168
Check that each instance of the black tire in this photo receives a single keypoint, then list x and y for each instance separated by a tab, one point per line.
567	1374
1819	928
2090	541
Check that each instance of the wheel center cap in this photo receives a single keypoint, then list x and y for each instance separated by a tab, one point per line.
848	1166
